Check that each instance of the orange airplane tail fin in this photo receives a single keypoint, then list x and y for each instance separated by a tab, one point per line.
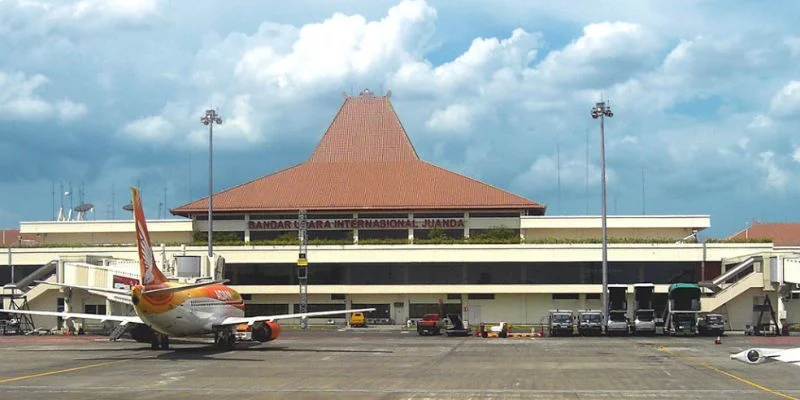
148	269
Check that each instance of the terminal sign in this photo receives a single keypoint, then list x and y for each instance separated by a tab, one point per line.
357	223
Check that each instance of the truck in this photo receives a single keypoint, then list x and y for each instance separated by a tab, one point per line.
590	322
711	325
683	308
618	322
431	324
560	323
644	313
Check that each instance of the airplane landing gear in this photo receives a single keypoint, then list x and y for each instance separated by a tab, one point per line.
160	341
224	339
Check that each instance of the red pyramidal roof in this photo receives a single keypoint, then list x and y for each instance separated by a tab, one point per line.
365	161
781	233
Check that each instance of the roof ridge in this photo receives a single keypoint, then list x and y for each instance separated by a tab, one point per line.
325	133
403	128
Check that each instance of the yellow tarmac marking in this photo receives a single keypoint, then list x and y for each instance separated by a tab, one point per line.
61	371
726	373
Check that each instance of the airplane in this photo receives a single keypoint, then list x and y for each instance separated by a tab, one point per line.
762	355
169	309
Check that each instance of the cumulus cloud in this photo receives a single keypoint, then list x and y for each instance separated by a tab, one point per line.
699	109
544	172
150	129
606	53
33	17
796	155
69	110
786	103
341	47
19	100
455	118
776	178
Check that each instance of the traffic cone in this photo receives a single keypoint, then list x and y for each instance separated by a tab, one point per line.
718	341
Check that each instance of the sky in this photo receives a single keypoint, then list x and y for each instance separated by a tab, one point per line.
99	95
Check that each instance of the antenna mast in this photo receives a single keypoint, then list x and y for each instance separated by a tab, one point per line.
558	174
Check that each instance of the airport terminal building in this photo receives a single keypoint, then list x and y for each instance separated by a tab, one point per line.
389	230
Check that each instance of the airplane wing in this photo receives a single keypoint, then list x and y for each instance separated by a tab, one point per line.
66	315
122	292
252	320
762	355
113	297
173	289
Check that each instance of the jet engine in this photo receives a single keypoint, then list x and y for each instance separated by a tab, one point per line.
266	331
754	356
142	333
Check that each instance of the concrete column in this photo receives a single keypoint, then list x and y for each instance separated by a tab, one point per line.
521	231
247	228
355	231
411	230
407	305
466	224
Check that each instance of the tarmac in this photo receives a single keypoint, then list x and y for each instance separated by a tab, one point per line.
390	364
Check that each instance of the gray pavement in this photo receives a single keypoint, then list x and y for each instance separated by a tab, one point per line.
368	364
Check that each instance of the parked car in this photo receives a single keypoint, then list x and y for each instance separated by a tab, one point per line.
711	324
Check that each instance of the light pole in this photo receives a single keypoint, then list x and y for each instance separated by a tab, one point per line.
210	119
600	110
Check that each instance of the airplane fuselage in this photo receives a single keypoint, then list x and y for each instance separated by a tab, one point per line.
188	312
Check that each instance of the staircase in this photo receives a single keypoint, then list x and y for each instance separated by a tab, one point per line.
724	295
716	284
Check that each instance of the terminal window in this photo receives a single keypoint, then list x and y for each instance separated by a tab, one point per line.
565	296
97	309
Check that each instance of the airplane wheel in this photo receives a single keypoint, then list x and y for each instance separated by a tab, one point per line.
164	342
154	343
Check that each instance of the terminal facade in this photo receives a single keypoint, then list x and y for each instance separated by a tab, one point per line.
389	230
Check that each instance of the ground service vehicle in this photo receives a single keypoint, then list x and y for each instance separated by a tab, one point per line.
458	328
711	324
590	322
560	323
644	314
431	324
358	320
617	323
683	307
